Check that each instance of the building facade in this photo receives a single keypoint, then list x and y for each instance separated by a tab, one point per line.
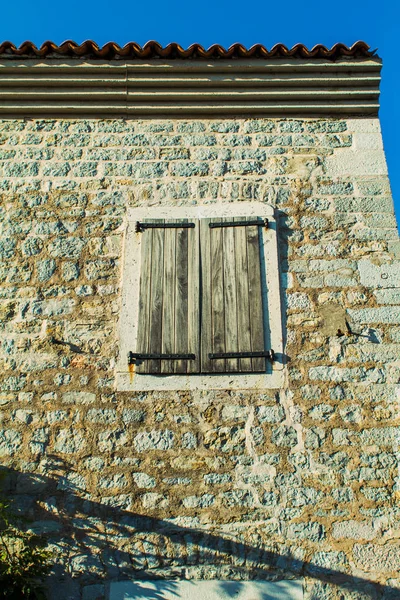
277	479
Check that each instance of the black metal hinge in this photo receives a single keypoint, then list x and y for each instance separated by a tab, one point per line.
269	354
142	226
133	357
263	223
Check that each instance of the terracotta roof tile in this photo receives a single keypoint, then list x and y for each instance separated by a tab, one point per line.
90	49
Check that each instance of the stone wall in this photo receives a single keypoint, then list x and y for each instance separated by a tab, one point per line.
296	482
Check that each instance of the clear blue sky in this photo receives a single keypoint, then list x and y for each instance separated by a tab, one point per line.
225	22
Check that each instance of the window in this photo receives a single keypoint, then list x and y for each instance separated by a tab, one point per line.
201	303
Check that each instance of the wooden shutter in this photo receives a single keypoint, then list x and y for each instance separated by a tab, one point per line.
232	307
169	297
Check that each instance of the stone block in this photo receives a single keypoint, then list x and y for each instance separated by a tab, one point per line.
45	269
132	415
380	558
189	169
101	268
388	296
189	441
353	163
356	530
225	439
154	440
321	412
217	478
20	169
270	414
258	126
101	415
54	169
285	436
70	271
10	441
66	247
336	188
190	127
381	436
242	498
369	316
203	501
303	496
298	301
386	275
274	140
313	531
143	481
149	170
116	481
373	352
322	562
32	246
69	441
198	140
79	398
336	374
152	500
234	412
111	440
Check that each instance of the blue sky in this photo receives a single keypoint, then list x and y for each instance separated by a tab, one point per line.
225	22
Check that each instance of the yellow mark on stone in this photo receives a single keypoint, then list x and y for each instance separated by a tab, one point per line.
131	368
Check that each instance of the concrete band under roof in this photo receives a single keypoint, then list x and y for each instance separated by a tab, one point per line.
344	81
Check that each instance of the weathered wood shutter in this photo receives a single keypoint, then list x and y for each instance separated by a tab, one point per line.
232	306
169	297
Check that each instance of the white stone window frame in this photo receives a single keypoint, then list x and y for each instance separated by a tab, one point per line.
126	378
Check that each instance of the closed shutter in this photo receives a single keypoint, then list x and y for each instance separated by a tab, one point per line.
168	328
232	308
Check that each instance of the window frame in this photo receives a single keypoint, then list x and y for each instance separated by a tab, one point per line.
126	378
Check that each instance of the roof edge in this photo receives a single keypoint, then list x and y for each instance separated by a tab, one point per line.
152	49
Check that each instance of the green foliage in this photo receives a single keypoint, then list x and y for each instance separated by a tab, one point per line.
24	561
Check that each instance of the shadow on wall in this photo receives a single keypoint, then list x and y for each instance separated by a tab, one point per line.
95	542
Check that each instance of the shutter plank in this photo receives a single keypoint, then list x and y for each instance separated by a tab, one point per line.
230	300
143	336
193	366
206	306
169	274
255	296
242	294
217	297
156	300
181	297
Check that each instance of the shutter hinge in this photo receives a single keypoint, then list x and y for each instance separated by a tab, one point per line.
269	354
263	223
133	357
140	227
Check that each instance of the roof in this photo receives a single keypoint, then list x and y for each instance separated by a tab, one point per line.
152	49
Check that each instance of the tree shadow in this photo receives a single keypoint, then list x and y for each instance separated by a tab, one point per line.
101	542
